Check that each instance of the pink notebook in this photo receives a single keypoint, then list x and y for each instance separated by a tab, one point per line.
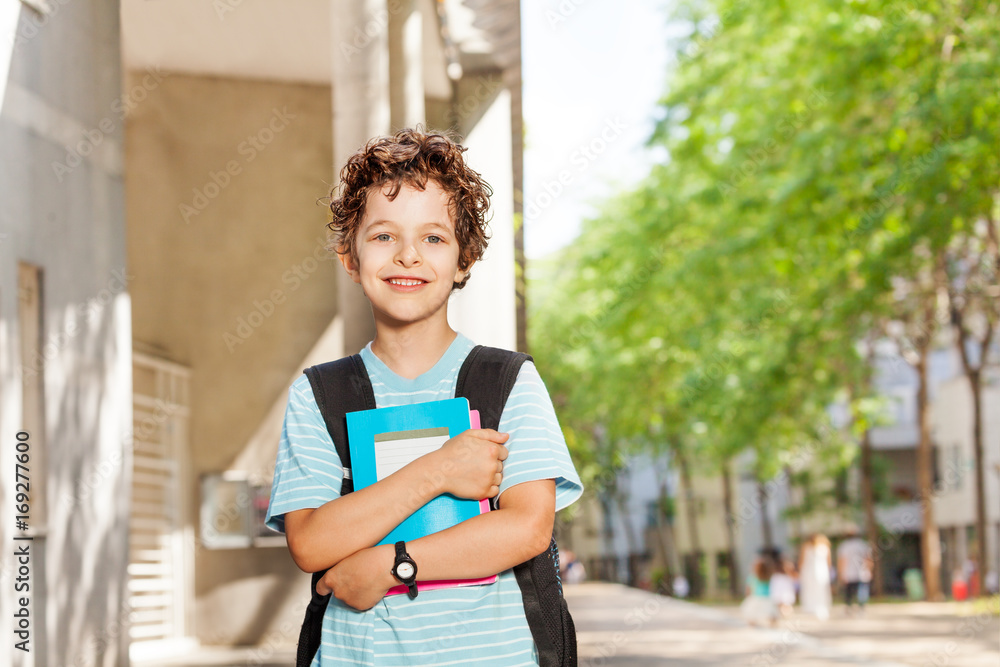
484	506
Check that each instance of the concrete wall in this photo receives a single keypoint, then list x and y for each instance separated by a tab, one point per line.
955	505
61	209
484	309
231	279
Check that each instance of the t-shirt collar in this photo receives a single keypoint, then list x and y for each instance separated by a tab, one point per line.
452	358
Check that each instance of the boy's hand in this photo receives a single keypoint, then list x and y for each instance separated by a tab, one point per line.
472	463
361	579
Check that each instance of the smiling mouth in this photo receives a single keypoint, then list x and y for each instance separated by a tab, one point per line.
405	282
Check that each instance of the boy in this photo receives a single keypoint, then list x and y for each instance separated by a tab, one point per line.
409	225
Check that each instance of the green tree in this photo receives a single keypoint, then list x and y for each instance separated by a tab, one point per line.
812	147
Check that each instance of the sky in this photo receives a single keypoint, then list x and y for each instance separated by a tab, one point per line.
593	72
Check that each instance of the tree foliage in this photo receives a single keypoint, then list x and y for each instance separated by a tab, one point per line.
818	153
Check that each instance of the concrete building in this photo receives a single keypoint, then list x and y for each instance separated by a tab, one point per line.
65	336
165	279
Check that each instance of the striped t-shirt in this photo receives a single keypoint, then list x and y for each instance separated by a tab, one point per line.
477	625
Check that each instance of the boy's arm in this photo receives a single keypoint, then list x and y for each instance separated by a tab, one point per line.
519	529
465	466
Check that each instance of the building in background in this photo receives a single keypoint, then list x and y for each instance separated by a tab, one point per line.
619	537
165	279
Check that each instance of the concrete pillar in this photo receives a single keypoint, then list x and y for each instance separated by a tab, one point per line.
406	65
360	88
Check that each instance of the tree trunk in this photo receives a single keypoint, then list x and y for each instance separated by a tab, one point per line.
868	502
974	374
765	520
663	535
959	305
664	538
630	540
693	572
977	446
689	507
930	541
727	500
606	500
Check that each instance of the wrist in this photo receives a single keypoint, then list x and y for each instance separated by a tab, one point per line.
385	556
433	478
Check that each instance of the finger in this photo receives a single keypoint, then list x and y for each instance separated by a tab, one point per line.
489	434
497	478
499	466
494	490
503	453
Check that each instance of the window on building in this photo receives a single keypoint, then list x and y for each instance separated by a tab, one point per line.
32	370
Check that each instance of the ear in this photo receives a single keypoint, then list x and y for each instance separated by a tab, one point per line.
461	273
350	267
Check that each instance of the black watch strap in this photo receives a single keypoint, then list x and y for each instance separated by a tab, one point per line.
403	557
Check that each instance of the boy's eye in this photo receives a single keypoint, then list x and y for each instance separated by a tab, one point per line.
383	237
434	239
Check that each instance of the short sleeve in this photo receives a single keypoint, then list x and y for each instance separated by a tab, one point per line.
536	444
308	472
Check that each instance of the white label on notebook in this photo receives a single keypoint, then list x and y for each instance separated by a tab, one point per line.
395	450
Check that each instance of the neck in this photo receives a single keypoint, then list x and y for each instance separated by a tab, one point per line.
413	350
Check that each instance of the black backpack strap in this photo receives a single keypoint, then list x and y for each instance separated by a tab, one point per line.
545	608
486	379
339	387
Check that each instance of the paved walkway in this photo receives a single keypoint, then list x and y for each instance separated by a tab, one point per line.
623	627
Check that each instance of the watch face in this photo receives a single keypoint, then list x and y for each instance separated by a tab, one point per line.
404	570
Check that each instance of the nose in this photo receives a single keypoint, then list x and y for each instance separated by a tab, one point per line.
408	255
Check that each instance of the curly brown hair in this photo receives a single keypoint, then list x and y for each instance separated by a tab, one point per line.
412	157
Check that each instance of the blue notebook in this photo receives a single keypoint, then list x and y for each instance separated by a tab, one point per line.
382	441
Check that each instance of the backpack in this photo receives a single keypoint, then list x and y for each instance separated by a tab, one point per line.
485	379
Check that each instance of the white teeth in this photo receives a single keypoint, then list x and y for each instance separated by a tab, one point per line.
405	283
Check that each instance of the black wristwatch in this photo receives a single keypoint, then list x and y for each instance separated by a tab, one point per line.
405	569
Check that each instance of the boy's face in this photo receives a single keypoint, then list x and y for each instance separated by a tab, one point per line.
407	255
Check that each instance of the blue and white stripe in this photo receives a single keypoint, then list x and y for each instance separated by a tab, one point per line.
481	625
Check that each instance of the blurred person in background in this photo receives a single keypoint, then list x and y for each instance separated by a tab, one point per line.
815	563
757	607
854	569
782	584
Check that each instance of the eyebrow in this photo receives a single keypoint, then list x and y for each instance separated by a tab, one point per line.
432	223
